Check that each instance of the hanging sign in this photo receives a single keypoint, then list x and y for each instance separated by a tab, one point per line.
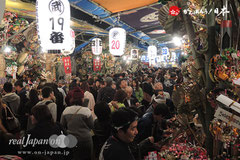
69	49
227	117
134	54
53	21
96	46
117	41
229	102
152	52
2	9
96	64
165	51
67	65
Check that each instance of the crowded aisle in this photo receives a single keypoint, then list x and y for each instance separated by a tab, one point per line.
119	80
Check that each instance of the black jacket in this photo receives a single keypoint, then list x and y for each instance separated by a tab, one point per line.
43	131
106	94
115	149
133	101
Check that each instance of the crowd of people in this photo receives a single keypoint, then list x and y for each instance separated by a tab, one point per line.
116	116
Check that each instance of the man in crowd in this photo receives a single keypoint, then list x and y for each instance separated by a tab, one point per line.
122	84
130	100
11	99
153	124
48	99
124	131
22	111
147	91
107	93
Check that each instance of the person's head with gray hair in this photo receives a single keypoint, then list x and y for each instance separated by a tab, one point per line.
108	81
129	91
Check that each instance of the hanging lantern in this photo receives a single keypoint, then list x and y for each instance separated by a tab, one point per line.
134	54
117	41
97	46
69	49
53	21
152	52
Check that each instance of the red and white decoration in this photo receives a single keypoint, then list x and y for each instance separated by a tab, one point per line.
97	46
97	64
67	65
117	41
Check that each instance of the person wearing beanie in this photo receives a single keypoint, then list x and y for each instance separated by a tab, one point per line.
124	129
78	121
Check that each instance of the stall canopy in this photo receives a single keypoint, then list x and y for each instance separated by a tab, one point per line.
138	18
91	18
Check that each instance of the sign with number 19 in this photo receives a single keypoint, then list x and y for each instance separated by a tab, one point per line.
53	22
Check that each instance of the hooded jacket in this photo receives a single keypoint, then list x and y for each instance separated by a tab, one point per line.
12	100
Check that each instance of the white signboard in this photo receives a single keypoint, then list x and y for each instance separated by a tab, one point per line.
2	9
53	20
152	52
134	54
117	41
229	102
96	46
227	117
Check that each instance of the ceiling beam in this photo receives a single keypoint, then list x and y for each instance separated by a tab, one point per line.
146	28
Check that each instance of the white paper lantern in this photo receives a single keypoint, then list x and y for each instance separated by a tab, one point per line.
69	49
117	41
96	46
53	21
152	52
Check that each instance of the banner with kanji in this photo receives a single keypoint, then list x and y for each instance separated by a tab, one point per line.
67	65
97	64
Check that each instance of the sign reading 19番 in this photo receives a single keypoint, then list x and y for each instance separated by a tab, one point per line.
53	19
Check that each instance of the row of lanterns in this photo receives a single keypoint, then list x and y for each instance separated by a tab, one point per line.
55	33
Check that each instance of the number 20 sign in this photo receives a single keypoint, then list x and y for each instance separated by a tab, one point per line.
117	41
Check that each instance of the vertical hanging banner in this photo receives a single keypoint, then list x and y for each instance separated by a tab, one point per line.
134	54
2	9
117	41
53	23
67	65
97	64
96	46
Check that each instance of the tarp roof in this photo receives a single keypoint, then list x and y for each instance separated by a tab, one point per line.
96	17
123	5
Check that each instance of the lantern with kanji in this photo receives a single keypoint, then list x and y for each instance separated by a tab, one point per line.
96	46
